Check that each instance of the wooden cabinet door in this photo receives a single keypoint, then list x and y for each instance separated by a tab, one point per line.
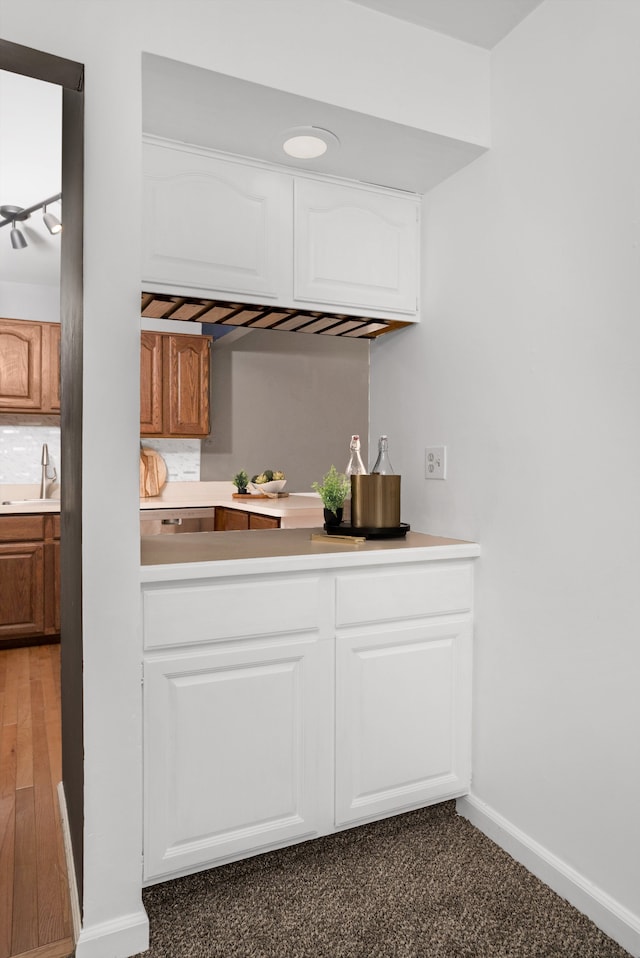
22	591
237	746
52	587
229	519
257	521
20	366
355	247
403	723
215	224
186	385
151	384
51	367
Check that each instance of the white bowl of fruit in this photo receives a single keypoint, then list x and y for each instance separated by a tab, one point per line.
268	483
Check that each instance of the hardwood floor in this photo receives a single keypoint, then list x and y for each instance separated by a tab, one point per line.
35	918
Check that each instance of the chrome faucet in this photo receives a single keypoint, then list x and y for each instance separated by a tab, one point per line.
47	481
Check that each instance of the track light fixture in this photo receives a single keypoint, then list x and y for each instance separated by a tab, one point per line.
17	238
52	222
17	214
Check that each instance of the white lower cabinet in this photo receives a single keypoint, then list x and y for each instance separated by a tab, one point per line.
283	707
237	753
402	719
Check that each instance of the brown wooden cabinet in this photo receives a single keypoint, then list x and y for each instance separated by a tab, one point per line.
30	576
174	385
29	366
256	521
228	520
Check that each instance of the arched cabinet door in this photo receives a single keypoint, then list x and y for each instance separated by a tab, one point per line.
356	247
20	366
186	375
29	366
151	384
215	224
174	385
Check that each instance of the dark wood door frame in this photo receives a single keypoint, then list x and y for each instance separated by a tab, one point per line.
69	75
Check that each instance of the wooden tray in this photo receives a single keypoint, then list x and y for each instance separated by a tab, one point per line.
262	495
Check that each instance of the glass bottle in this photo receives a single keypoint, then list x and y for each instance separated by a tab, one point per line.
355	466
383	465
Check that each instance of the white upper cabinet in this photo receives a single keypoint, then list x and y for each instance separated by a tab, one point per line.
236	229
355	247
215	224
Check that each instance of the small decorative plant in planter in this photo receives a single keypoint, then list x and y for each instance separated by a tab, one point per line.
333	490
241	481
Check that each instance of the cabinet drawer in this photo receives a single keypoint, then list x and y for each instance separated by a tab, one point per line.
403	593
192	614
21	528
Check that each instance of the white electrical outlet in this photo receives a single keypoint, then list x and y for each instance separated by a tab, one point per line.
435	462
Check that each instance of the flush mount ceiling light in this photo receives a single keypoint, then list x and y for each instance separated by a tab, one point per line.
17	214
308	142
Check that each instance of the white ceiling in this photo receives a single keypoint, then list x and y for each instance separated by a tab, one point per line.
197	106
202	107
186	103
480	22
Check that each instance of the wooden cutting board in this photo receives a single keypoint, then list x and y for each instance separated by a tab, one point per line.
153	472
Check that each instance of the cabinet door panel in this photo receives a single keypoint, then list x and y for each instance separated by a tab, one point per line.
150	384
52	587
22	592
257	521
186	385
214	224
233	737
355	247
403	722
20	365
228	520
51	367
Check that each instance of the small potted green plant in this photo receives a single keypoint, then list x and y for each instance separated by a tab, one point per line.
333	490
241	481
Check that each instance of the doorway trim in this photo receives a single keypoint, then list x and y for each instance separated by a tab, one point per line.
69	75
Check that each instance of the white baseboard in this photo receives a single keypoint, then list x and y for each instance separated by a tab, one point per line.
123	936
71	868
610	916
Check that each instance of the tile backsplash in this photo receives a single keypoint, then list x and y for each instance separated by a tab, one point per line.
21	451
21	448
182	457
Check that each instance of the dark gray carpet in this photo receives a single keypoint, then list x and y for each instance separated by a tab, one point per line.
422	885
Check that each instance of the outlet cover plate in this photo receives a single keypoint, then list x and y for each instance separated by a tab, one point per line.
435	462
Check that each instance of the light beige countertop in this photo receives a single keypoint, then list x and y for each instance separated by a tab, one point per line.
29	492
197	554
302	509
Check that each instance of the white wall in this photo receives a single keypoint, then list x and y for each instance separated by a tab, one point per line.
375	66
526	367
